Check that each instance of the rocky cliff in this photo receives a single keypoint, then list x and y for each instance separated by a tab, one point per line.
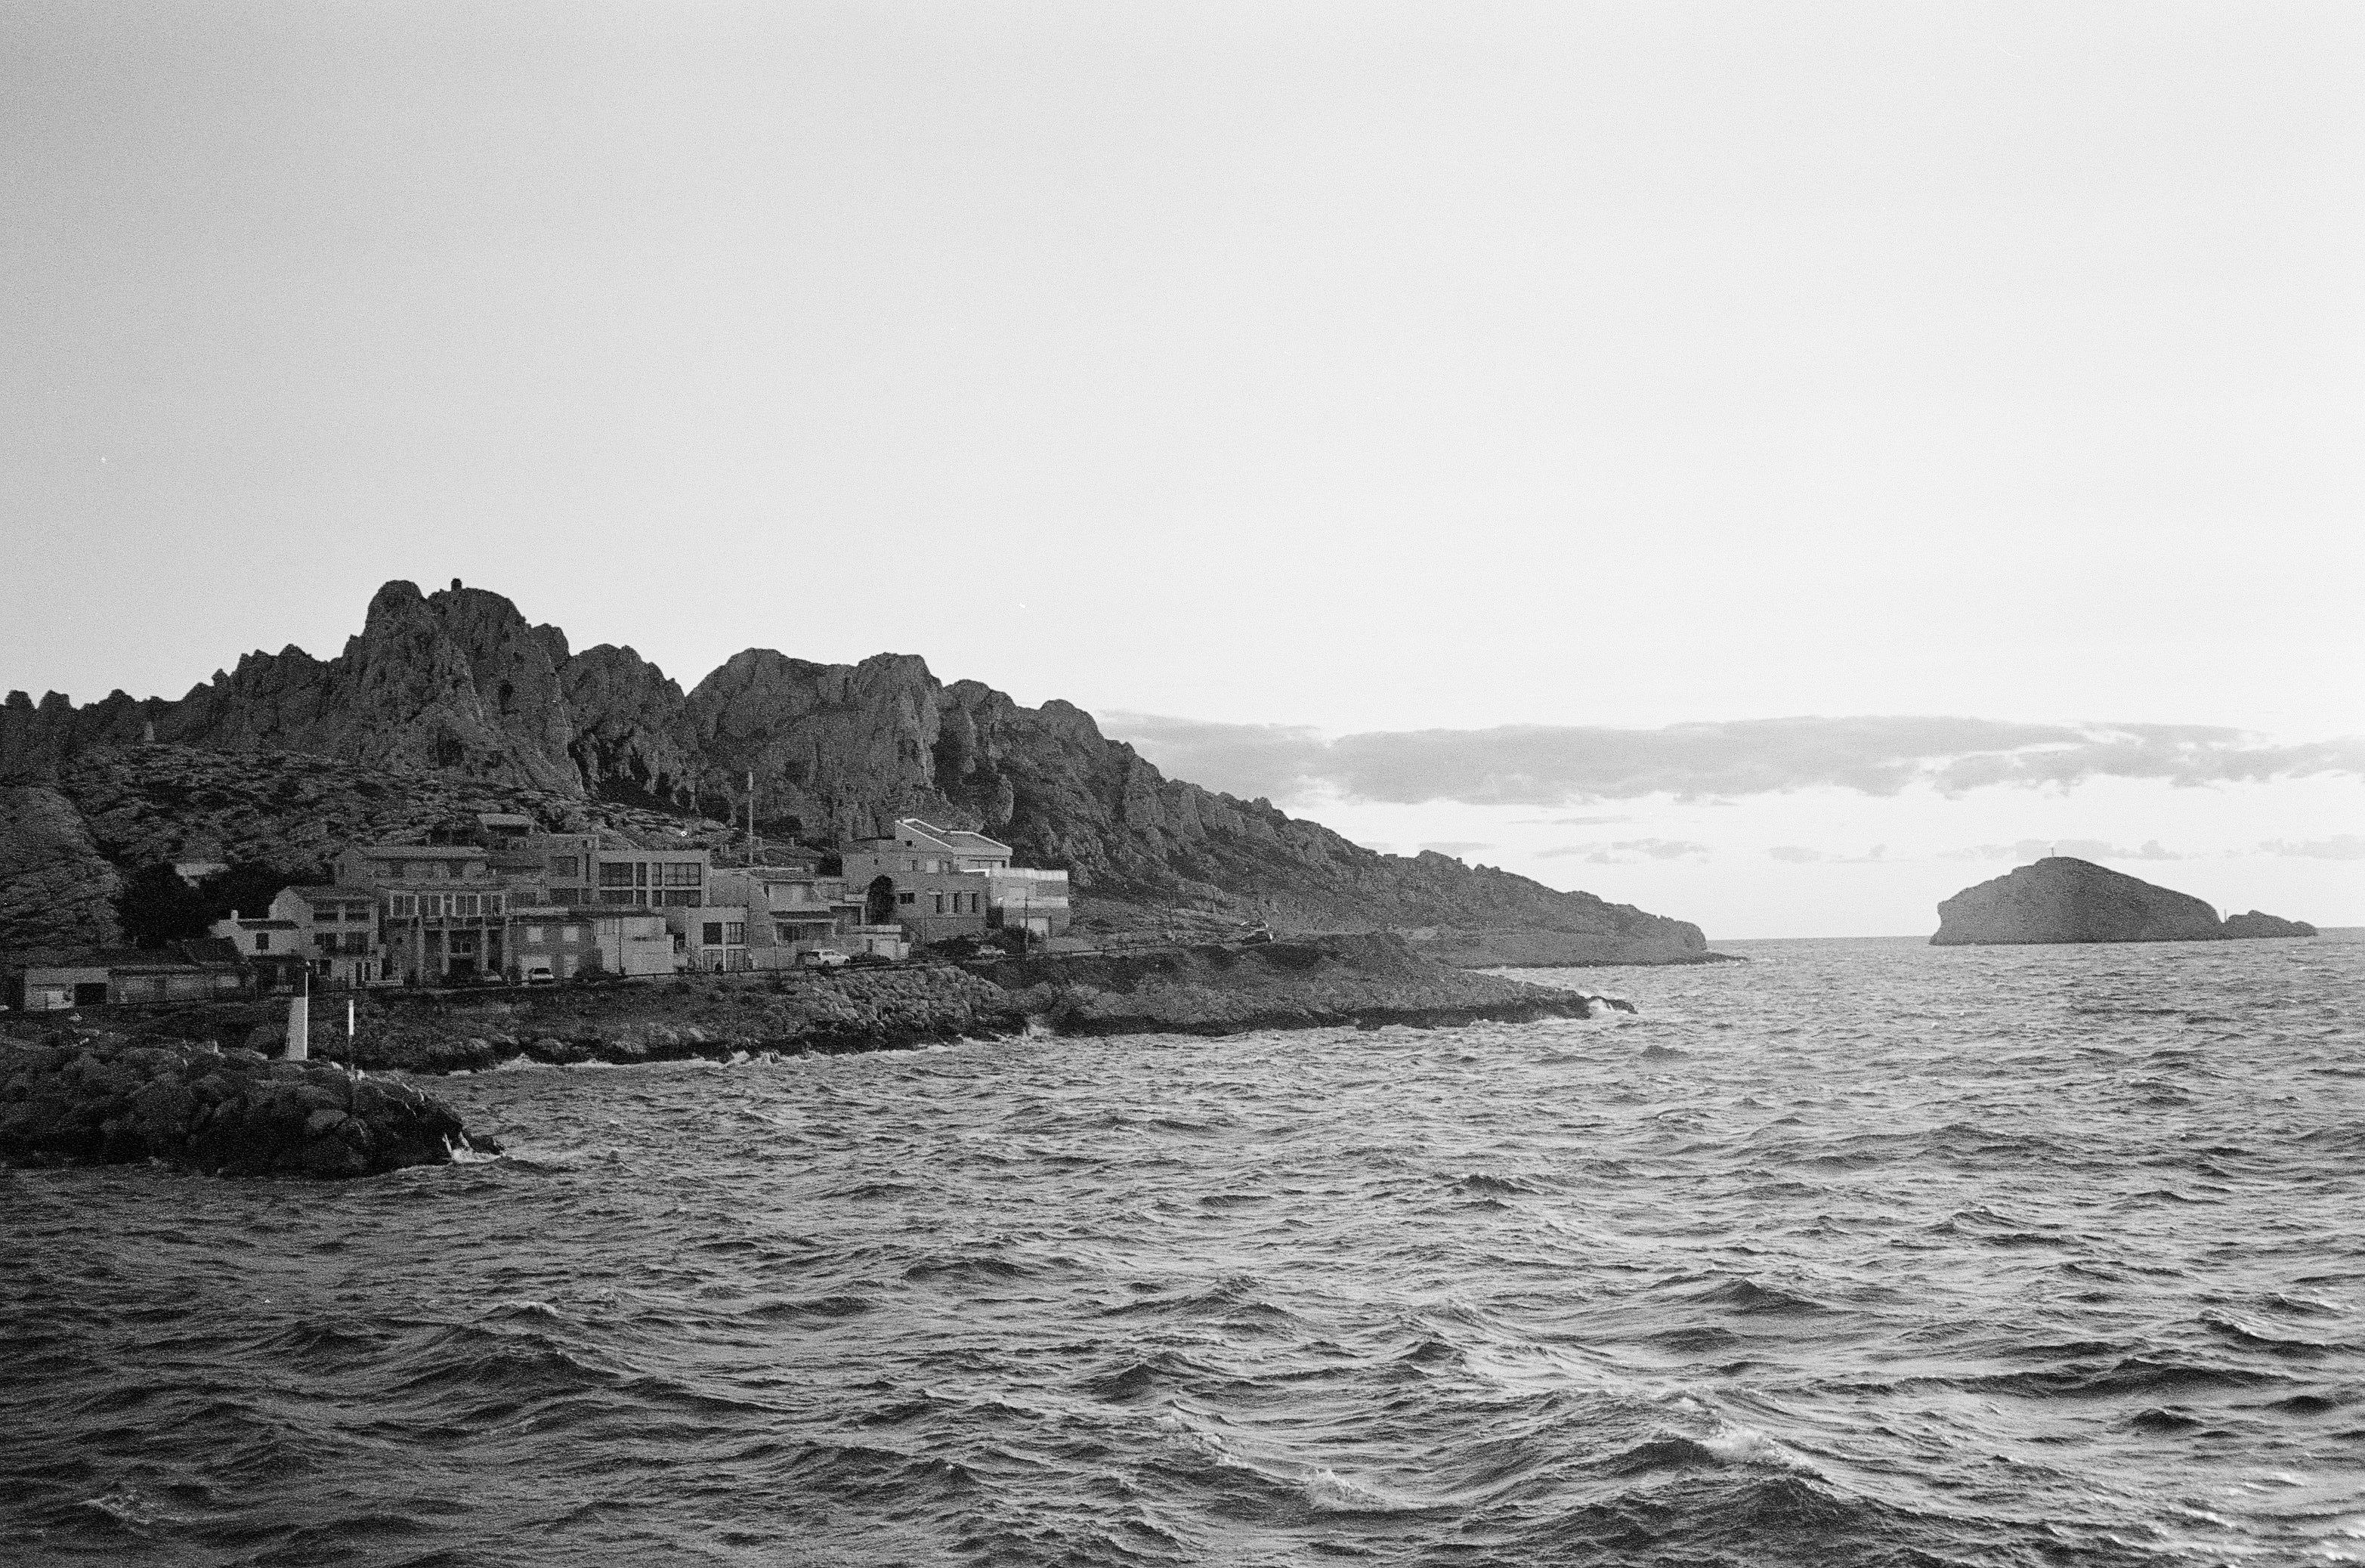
57	892
457	686
2061	899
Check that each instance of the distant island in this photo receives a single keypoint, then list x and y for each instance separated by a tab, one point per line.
2062	899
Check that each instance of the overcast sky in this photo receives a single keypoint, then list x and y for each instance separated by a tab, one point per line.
1296	380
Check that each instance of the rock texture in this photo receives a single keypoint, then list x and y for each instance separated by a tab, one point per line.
57	894
226	1112
456	688
2062	899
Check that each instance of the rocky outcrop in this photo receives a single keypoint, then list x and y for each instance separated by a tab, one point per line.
838	751
57	894
458	682
225	1112
457	686
1367	981
2062	899
626	714
2255	924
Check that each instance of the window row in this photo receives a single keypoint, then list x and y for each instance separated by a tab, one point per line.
443	906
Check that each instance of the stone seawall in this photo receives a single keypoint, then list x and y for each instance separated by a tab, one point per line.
98	1101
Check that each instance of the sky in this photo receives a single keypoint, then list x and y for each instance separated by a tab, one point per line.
1775	465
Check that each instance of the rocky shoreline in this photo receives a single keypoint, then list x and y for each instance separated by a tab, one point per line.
198	1086
1210	989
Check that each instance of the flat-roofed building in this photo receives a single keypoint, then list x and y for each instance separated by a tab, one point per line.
336	933
442	917
650	879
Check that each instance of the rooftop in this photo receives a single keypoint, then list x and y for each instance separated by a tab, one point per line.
422	851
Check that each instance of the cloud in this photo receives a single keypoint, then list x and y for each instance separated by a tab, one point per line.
1538	765
1456	846
1247	760
2341	846
2079	848
1798	856
1628	852
1569	822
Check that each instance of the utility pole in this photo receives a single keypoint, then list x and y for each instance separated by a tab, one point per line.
751	816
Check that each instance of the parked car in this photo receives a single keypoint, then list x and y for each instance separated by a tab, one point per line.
539	974
820	959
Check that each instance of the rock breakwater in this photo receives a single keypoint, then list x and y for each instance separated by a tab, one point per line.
235	1113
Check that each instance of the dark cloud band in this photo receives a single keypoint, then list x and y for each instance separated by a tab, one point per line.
1537	765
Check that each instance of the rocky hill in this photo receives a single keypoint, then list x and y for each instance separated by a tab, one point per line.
455	694
2062	899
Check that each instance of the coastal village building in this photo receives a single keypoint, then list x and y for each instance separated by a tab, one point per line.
566	870
781	912
270	947
442	918
335	933
583	940
204	970
664	878
903	878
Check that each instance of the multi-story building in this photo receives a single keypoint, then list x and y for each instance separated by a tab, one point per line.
902	876
782	912
568	872
594	939
650	879
1023	899
442	918
336	932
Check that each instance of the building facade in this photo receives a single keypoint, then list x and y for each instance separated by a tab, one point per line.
336	932
442	919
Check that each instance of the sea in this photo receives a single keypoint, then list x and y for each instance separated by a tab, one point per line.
1859	1252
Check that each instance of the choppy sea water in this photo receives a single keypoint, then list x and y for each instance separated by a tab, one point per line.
1864	1252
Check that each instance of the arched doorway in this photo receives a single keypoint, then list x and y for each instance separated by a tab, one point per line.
880	909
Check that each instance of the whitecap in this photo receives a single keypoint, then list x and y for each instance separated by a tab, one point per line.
1328	1491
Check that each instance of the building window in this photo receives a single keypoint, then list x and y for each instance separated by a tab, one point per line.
493	902
616	874
564	866
907	898
326	941
262	941
684	874
533	936
734	933
713	931
783	933
402	906
467	903
940	903
615	895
